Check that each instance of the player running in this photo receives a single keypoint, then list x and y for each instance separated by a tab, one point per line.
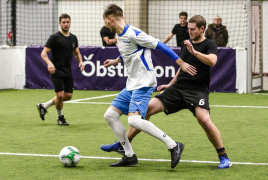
135	48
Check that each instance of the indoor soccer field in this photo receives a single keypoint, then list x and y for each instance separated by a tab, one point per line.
30	147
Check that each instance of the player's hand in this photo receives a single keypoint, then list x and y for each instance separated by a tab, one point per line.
51	68
82	67
190	47
110	41
110	62
162	87
188	68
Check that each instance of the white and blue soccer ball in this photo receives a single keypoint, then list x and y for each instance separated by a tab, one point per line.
69	156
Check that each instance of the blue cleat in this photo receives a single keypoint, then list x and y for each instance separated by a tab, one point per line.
113	147
224	162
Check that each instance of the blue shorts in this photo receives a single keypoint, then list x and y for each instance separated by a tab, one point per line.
132	101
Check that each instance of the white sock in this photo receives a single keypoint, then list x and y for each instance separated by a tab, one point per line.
48	104
112	118
148	127
59	112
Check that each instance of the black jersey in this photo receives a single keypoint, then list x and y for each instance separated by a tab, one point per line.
181	32
202	78
62	48
106	32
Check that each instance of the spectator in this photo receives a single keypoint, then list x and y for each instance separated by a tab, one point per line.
108	38
181	30
217	32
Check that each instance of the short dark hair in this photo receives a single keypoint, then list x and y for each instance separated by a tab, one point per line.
199	21
64	16
114	10
183	14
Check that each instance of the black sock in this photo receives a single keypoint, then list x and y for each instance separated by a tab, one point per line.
130	140
222	152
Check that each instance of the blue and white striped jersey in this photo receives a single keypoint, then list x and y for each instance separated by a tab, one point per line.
135	48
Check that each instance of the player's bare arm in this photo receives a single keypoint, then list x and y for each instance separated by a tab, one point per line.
112	41
106	39
79	59
50	66
209	59
110	62
168	38
186	67
165	86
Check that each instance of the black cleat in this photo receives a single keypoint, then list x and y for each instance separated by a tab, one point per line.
62	121
126	161
176	154
42	111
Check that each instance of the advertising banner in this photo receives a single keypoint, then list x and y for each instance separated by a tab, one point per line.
97	77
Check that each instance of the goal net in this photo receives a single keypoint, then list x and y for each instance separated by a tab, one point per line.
35	20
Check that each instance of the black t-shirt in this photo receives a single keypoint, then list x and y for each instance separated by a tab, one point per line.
182	33
202	78
106	32
62	48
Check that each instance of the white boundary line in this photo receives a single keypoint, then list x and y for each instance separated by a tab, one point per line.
98	97
264	107
89	102
265	94
227	106
77	101
159	160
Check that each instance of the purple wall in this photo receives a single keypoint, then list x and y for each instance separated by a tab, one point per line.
96	77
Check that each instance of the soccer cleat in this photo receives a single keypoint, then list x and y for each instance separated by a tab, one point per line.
42	111
113	147
62	121
176	154
224	162
126	161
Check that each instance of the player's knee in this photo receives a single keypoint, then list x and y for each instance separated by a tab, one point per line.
155	106
60	95
67	97
111	115
149	111
204	121
133	121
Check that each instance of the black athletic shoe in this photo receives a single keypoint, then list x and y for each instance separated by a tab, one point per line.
176	154
126	161
62	121
42	111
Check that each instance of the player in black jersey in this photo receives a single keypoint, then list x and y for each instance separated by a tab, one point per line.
63	45
108	38
189	89
180	30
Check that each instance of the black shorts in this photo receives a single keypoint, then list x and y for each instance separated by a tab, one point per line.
65	84
175	99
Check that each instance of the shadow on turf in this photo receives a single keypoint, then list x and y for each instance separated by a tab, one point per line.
163	167
76	167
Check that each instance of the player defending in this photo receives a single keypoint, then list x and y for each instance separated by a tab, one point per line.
135	48
62	44
188	90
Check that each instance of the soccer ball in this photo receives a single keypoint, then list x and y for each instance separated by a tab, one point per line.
69	156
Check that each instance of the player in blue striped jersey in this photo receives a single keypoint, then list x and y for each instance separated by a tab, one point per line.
135	48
